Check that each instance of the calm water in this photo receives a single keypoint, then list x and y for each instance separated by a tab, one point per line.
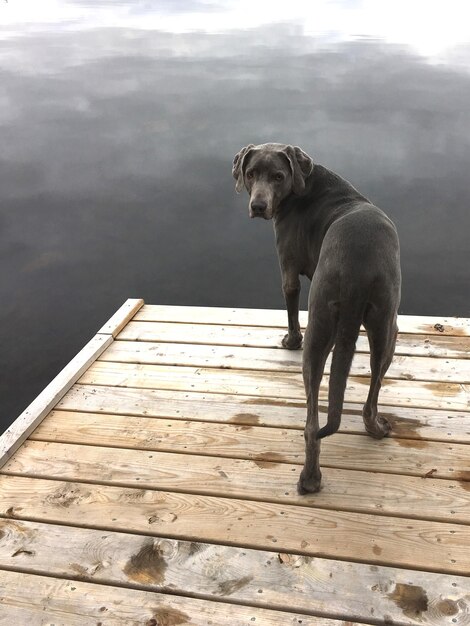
118	125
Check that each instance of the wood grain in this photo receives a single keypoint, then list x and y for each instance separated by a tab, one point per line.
439	345
287	581
377	540
272	384
273	360
278	318
258	479
410	423
43	600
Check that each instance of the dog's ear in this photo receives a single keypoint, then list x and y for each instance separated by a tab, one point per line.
301	165
237	167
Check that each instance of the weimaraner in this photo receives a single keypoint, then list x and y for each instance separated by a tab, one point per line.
326	230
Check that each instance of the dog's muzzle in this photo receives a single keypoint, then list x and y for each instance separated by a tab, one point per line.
258	208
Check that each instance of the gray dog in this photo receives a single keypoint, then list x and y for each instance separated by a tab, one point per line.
326	230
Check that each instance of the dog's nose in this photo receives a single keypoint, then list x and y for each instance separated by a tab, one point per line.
258	206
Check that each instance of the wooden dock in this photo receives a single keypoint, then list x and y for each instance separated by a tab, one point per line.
153	482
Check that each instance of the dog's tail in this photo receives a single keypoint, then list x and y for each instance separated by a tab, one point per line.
349	324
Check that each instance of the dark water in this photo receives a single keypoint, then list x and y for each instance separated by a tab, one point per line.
118	125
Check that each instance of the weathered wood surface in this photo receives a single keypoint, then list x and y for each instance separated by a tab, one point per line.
414	457
451	326
298	583
77	603
271	384
266	337
170	467
265	477
391	541
270	359
409	423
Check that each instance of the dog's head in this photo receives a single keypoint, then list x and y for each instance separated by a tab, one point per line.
270	172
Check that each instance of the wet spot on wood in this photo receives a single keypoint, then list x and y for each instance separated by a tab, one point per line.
377	550
416	444
464	479
147	566
411	599
447	607
249	419
441	390
166	616
265	460
407	432
274	402
227	587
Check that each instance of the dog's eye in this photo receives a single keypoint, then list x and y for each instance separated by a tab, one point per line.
279	177
249	175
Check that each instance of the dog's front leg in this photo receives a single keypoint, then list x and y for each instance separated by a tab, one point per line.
291	289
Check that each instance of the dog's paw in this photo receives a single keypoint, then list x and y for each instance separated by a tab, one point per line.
306	485
380	428
292	341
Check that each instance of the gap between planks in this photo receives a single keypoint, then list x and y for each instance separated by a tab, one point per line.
261	337
338	589
437	325
194	406
421	368
262	444
40	597
381	541
344	489
287	385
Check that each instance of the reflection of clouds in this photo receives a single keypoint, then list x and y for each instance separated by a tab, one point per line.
115	169
424	25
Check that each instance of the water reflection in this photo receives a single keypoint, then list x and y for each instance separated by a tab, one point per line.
117	140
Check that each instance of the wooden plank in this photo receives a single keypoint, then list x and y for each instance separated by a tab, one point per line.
24	425
404	456
40	600
259	479
122	316
283	385
298	583
377	540
265	337
271	359
429	325
410	423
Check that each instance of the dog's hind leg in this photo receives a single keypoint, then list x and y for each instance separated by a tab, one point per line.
318	341
382	334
